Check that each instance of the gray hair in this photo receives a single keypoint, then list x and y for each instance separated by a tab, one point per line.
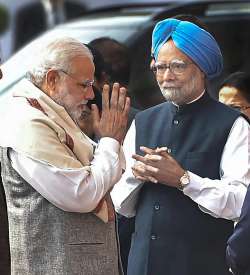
56	55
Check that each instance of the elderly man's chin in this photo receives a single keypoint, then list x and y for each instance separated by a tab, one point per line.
79	113
173	95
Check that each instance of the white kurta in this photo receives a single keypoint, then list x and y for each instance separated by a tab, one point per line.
74	190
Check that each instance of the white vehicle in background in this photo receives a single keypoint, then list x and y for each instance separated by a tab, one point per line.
29	18
132	25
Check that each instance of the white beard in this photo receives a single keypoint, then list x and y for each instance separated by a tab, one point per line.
63	98
181	95
171	94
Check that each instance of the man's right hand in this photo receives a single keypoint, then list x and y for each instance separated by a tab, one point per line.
113	120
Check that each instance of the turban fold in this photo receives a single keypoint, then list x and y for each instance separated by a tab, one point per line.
193	41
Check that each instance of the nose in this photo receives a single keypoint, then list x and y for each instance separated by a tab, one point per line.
89	93
168	75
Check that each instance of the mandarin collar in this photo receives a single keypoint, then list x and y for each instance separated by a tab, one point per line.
195	104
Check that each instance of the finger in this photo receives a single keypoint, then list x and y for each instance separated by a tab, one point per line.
135	173
164	154
95	113
105	97
122	99
147	150
143	178
139	158
154	180
114	96
127	107
139	169
149	168
153	157
147	158
161	149
145	169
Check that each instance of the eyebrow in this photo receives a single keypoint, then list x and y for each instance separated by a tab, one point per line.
174	60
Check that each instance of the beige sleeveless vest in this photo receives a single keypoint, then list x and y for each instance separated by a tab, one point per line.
41	129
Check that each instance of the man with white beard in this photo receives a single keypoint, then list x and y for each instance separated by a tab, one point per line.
182	183
56	180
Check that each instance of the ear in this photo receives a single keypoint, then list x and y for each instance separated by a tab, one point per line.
52	77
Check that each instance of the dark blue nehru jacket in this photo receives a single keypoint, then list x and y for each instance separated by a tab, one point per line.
172	235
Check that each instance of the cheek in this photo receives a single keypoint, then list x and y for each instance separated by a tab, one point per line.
160	80
70	94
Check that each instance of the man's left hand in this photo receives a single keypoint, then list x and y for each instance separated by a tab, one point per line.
157	166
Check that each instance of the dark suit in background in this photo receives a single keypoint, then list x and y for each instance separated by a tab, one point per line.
238	249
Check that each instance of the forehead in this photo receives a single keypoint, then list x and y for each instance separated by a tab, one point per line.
169	52
230	95
83	66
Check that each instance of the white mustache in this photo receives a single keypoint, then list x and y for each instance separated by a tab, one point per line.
167	86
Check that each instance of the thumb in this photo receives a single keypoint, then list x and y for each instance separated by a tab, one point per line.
95	114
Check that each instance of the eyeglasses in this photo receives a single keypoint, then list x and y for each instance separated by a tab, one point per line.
239	107
176	67
85	84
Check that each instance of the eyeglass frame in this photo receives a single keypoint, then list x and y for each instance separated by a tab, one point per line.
169	65
86	83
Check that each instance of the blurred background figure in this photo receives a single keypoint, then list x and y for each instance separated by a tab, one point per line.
4	232
86	120
235	92
39	16
102	73
116	65
116	58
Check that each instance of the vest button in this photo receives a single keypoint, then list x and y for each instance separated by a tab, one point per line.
157	207
153	237
176	122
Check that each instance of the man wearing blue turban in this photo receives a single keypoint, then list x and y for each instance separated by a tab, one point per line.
184	186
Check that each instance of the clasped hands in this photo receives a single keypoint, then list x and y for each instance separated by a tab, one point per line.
157	165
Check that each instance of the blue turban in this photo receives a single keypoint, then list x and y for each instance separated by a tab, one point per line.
193	41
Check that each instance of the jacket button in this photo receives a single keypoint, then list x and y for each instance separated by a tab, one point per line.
157	207
176	122
153	237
